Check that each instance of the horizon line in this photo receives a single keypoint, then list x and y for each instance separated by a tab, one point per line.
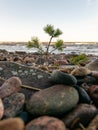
51	42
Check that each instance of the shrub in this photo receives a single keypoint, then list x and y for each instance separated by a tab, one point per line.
78	59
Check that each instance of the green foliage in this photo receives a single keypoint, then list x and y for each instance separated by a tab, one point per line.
57	32
49	29
79	59
35	43
59	45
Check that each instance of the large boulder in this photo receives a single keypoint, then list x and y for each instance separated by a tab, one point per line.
28	75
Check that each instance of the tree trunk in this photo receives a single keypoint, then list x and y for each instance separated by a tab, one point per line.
47	51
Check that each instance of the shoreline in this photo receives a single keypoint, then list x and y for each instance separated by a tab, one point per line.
45	43
75	49
53	61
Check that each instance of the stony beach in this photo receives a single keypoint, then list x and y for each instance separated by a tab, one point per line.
47	93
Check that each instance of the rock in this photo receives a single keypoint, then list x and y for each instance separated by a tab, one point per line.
93	65
29	76
1	109
58	77
28	60
32	77
1	81
45	123
80	71
54	101
61	62
85	79
24	115
12	124
95	75
93	124
83	114
68	68
93	92
83	96
10	86
13	104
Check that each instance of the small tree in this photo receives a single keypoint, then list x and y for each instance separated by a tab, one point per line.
49	29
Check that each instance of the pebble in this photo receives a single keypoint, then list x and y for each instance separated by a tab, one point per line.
1	109
93	124
93	65
80	71
93	92
46	123
10	86
12	124
84	97
13	104
54	101
83	114
58	77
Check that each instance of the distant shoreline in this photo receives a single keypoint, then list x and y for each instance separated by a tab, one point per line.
24	43
13	43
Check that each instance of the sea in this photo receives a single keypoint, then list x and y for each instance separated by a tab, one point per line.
68	48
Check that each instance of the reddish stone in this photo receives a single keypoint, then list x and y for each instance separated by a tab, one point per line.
12	124
93	92
10	86
1	109
13	104
46	123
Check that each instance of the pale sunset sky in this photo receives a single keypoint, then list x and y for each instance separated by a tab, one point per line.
22	19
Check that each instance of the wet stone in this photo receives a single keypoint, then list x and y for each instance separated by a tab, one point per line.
13	104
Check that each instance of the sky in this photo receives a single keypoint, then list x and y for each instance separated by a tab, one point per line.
22	19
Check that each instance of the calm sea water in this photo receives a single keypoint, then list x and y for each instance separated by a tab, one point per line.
74	48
